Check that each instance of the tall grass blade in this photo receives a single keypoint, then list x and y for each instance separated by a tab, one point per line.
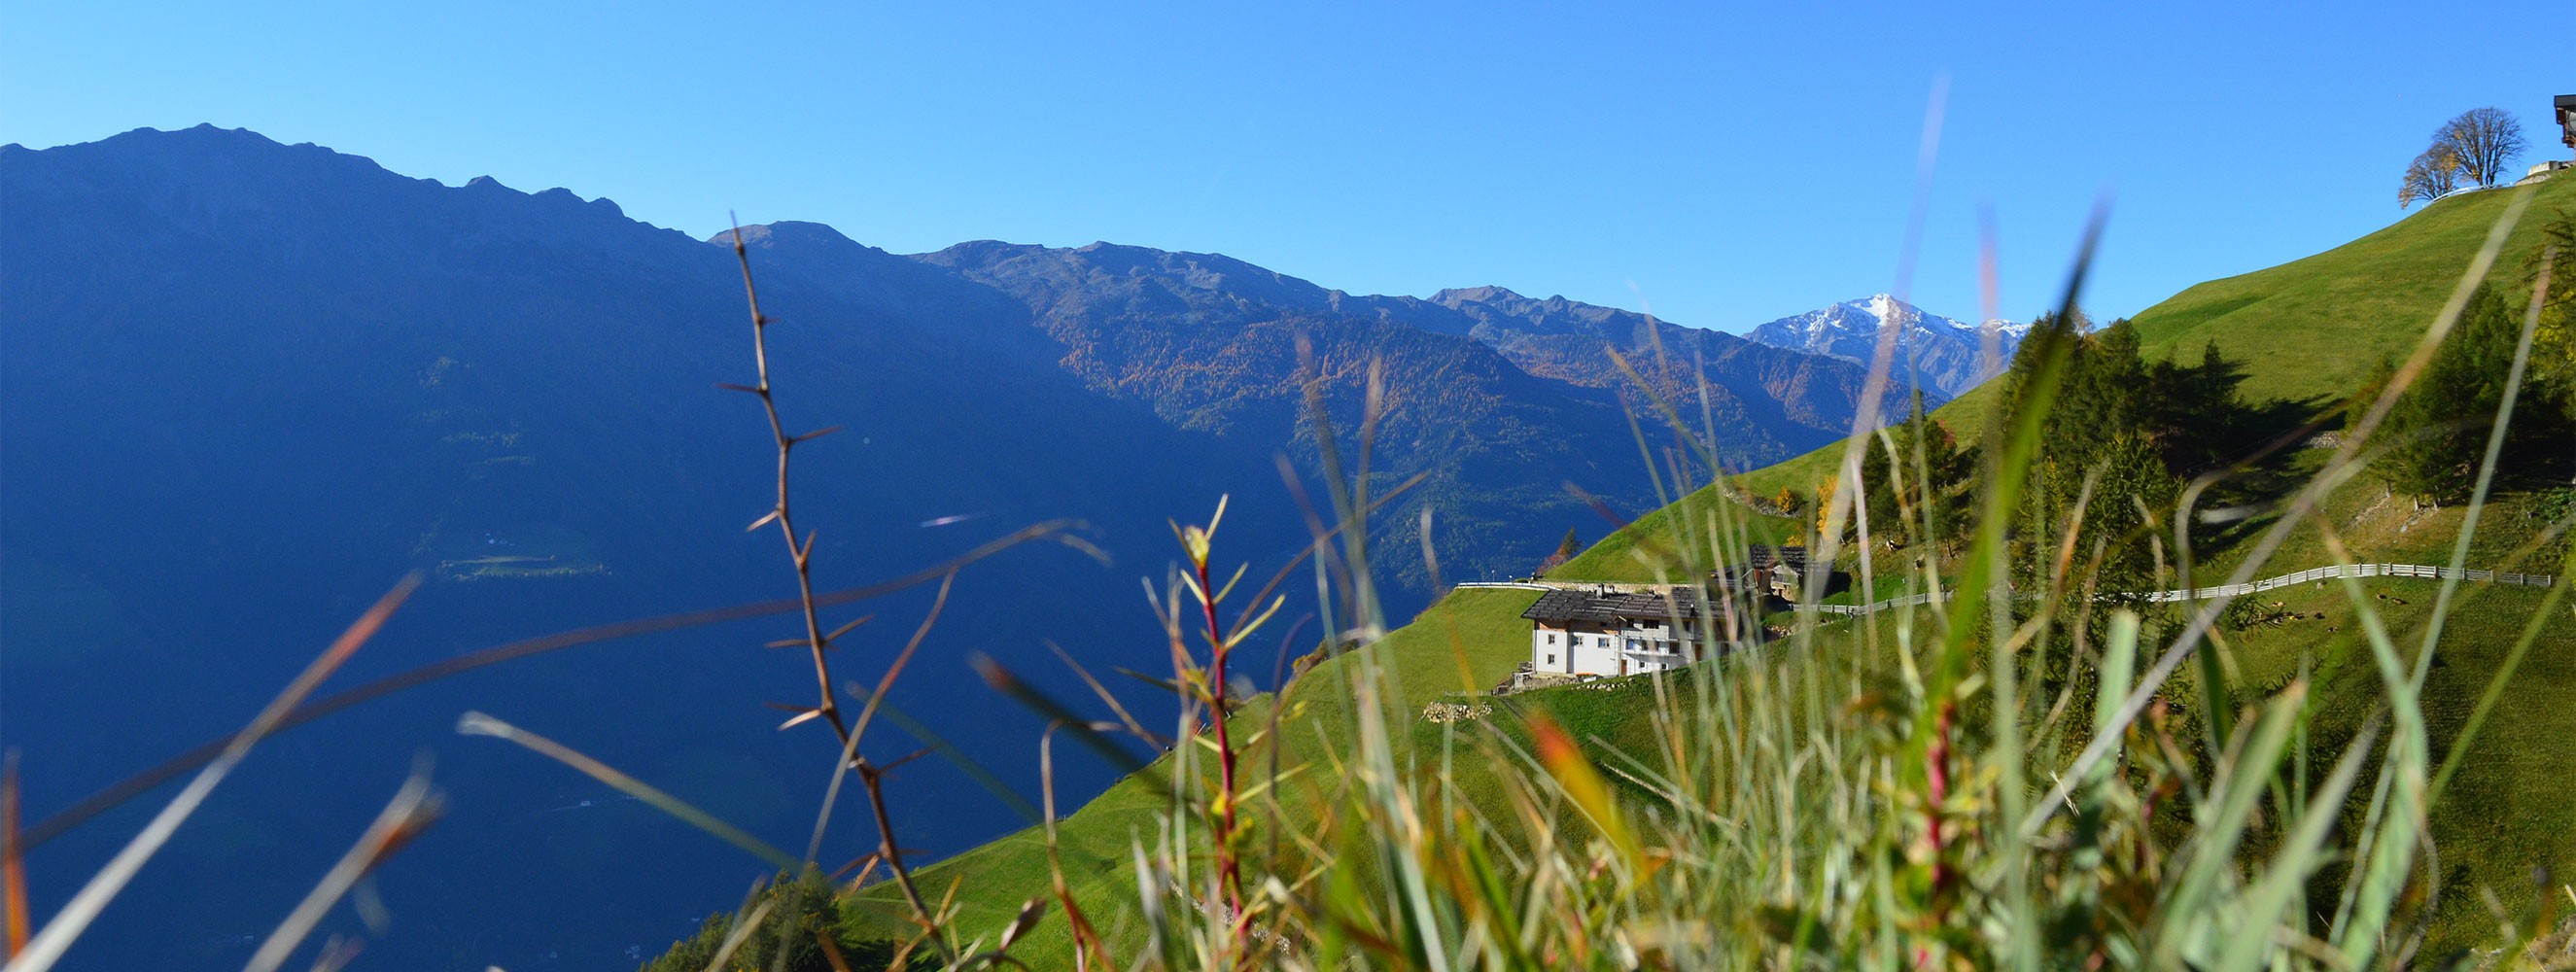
13	868
2391	840
2290	867
133	786
2486	470
2197	899
479	724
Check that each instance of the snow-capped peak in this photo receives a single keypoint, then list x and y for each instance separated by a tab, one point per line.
1877	306
1872	312
1951	351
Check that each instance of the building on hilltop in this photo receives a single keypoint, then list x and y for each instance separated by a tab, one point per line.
1777	572
2566	106
1604	631
1589	633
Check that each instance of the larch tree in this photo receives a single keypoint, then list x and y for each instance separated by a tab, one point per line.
2484	140
2431	176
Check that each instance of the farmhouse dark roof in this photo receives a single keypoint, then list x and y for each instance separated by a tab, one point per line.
1584	605
1757	557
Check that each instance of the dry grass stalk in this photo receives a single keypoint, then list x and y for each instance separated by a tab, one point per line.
48	945
91	806
411	811
13	867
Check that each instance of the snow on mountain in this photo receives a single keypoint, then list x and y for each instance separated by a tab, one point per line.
1945	353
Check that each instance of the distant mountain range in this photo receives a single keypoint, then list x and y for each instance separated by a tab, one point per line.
248	384
1937	352
1208	340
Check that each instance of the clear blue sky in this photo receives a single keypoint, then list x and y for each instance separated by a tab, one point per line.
1723	164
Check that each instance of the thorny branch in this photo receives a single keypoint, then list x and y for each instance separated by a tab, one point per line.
801	553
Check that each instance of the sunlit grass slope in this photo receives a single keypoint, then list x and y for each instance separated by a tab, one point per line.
2311	329
2509	812
1469	641
1642	551
2307	331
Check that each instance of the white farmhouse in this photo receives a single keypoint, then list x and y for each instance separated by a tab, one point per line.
1591	632
1588	633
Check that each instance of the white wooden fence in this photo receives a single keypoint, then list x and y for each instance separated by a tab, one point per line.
2233	590
2310	575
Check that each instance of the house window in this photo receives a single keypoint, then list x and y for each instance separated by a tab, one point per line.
1551	659
1551	639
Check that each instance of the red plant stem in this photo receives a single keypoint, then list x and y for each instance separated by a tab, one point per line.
1937	788
1229	868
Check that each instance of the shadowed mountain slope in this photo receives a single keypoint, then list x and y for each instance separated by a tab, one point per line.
249	384
1520	392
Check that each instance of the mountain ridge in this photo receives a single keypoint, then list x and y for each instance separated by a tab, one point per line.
1946	353
248	384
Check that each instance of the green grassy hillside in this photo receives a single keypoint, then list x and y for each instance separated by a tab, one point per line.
1469	641
2307	331
2511	812
2310	330
1644	551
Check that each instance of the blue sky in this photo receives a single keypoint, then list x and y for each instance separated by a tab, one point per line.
1721	164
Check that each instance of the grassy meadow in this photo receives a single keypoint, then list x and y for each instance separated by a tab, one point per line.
2308	330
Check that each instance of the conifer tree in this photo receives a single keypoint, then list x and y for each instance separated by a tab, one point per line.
2436	432
1920	486
2553	351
